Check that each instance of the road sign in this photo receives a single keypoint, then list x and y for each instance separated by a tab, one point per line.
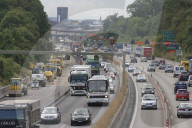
179	52
169	36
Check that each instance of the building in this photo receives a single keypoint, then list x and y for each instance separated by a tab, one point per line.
62	14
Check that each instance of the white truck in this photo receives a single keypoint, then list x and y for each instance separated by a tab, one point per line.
38	75
78	78
20	114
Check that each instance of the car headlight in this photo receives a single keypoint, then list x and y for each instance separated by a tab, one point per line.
73	118
152	91
42	116
55	116
88	97
106	96
86	118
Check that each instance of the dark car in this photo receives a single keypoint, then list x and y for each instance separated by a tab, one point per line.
155	62
184	76
147	89
133	60
180	85
162	66
50	114
81	116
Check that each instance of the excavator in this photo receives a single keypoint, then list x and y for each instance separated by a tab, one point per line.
49	72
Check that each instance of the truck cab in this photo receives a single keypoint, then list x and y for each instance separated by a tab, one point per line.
177	70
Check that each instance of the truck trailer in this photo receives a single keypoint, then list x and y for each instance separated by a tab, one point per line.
147	52
20	114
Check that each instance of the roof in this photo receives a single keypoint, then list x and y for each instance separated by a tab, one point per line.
78	72
98	77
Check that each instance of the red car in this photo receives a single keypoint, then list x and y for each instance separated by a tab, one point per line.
182	94
161	61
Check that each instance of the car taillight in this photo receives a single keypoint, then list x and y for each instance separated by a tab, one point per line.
190	109
180	109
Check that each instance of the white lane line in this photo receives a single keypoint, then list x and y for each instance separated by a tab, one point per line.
136	104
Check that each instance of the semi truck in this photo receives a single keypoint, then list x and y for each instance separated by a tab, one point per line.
78	78
93	60
147	52
20	114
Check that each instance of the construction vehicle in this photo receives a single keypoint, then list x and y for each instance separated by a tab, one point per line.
31	65
185	64
20	114
48	72
17	88
38	75
61	59
57	66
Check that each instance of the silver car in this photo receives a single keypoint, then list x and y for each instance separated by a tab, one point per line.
50	114
131	68
184	109
141	78
143	59
151	67
149	101
169	68
136	72
147	89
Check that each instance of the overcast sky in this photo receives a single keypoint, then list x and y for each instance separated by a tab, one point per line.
86	9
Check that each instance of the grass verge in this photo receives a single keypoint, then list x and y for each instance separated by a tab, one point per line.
111	111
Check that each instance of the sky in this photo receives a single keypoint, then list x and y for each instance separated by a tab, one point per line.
87	9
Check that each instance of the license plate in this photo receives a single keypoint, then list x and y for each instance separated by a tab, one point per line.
79	121
186	110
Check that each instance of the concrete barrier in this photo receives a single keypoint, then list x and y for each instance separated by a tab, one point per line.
4	91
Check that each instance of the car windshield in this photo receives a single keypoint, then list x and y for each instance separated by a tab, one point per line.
190	77
148	97
80	112
189	105
151	65
180	83
97	86
148	86
182	68
169	66
176	68
49	111
182	91
131	66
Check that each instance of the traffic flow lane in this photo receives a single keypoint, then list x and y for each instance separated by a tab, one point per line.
70	103
166	82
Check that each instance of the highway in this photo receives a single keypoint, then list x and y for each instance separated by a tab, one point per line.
70	103
166	81
144	118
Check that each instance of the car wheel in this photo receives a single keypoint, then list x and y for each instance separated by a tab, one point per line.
72	124
88	104
188	99
178	116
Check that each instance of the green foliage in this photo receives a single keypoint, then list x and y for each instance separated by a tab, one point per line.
22	24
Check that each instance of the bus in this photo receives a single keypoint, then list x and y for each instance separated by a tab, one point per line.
98	90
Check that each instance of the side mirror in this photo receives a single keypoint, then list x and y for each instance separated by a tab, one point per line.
177	106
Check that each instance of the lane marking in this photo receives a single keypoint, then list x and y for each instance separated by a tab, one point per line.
136	104
63	126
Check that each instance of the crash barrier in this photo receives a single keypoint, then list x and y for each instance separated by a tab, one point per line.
5	90
118	114
163	100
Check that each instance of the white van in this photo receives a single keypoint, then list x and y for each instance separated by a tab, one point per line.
177	70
